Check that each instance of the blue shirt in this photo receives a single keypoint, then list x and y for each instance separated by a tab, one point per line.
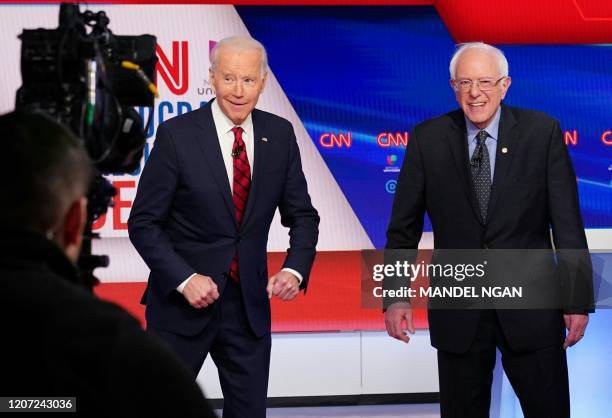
490	142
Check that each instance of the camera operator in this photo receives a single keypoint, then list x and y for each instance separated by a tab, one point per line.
58	338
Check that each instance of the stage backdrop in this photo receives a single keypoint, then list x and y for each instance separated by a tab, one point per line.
353	81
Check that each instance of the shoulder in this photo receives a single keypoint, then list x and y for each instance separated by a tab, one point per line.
60	304
189	120
440	124
65	314
102	329
78	309
270	120
530	117
92	348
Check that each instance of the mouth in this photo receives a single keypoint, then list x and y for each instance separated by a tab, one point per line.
236	104
476	104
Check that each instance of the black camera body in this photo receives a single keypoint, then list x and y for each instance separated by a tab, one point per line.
89	80
63	69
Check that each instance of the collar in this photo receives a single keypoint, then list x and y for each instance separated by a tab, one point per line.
492	129
225	125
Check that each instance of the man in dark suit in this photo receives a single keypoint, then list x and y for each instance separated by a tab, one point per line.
59	339
201	218
491	176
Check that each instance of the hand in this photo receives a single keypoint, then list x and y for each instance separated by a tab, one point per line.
576	326
200	291
283	285
395	315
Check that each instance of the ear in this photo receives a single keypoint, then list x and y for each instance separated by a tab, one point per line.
505	86
264	82
211	78
73	227
74	222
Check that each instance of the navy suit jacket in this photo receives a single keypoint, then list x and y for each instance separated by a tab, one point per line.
183	222
533	192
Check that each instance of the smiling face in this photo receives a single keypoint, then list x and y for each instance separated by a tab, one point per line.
238	81
479	106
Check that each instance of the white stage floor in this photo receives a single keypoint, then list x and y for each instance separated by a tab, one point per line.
366	411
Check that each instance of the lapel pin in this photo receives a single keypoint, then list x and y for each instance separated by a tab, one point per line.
504	150
264	139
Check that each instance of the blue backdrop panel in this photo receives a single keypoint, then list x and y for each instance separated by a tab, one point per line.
368	70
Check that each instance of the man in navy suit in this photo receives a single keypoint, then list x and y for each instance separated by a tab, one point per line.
201	218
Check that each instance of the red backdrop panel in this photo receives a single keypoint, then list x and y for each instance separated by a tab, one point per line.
332	303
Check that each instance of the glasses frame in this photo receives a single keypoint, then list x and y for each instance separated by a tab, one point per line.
457	86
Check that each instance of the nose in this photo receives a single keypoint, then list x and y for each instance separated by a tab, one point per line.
238	89
474	90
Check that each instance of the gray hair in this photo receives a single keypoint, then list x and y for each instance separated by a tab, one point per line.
498	53
239	43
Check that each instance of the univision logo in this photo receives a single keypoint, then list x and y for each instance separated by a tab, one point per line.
391	164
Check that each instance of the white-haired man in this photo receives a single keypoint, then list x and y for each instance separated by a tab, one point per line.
200	221
491	176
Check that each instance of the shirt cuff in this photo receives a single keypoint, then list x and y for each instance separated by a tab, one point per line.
181	286
295	273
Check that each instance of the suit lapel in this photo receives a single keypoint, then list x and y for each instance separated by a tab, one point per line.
209	144
507	137
260	151
457	139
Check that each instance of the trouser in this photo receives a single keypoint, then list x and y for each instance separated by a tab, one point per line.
243	360
539	378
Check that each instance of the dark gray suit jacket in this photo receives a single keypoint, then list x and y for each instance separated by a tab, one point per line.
533	192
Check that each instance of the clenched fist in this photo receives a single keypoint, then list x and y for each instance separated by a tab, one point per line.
200	291
283	285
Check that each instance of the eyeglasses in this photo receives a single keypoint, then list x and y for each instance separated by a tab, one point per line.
484	84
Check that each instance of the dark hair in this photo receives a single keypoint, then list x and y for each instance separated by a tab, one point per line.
44	169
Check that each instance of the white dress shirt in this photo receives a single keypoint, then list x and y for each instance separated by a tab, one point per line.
224	126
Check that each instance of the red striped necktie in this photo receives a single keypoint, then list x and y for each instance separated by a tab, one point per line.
241	187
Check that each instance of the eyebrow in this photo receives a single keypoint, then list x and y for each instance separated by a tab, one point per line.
253	76
481	78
